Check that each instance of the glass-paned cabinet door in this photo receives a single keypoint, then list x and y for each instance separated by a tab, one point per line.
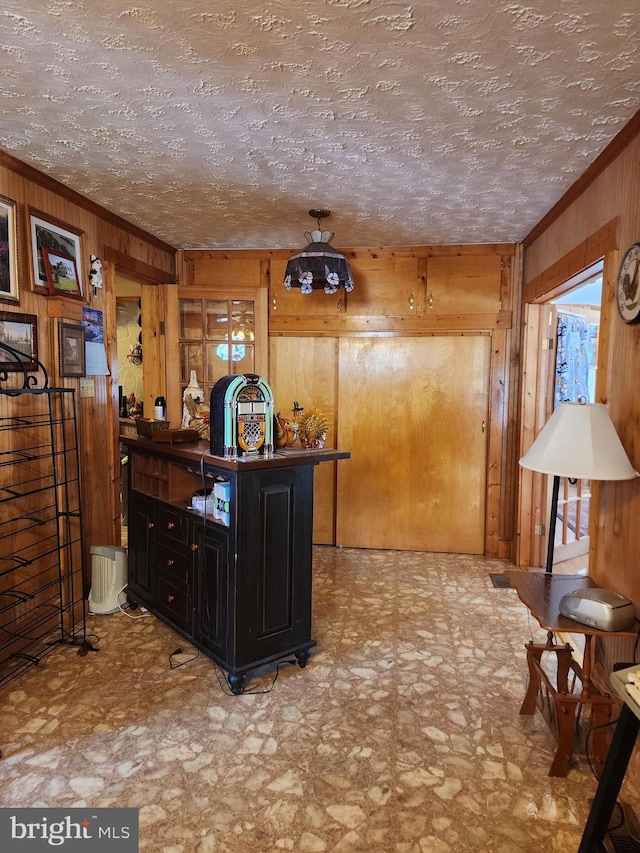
217	338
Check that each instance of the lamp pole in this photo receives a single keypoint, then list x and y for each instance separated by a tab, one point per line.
552	524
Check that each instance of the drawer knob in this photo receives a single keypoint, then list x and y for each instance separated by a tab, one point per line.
194	547
170	562
171	599
170	525
150	525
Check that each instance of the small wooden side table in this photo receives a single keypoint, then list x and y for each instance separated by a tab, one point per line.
559	705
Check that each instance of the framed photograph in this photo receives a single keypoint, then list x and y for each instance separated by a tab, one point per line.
62	274
8	251
47	233
19	331
71	349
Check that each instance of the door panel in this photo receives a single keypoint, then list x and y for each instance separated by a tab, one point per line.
304	369
413	415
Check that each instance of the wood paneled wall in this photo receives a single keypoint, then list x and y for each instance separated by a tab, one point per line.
121	245
406	291
603	221
607	210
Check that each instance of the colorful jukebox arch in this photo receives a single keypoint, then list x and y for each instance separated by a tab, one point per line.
241	413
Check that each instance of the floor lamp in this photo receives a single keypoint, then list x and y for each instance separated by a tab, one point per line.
579	441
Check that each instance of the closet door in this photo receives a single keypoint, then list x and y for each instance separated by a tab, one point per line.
303	369
413	414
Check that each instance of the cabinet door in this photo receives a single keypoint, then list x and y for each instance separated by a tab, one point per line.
272	581
211	618
293	302
413	414
466	284
386	287
141	545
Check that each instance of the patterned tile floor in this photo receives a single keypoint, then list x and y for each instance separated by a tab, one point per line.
402	735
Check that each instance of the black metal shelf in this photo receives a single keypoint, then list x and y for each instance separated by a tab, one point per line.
41	537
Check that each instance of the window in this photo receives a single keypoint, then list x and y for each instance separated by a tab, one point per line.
216	338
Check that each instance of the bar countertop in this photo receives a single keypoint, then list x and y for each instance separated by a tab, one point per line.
197	453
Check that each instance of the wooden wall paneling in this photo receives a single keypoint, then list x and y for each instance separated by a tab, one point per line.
316	316
411	412
112	397
347	324
153	345
550	282
209	269
532	491
305	370
505	386
172	356
99	460
497	506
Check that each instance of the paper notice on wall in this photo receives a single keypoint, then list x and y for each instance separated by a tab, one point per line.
96	354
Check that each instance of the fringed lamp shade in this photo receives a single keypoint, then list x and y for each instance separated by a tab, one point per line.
318	266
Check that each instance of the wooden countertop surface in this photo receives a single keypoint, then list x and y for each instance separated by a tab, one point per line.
197	453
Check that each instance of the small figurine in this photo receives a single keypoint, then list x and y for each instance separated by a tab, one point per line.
95	272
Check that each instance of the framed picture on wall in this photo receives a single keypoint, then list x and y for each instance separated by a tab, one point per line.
62	274
49	233
20	332
8	251
71	349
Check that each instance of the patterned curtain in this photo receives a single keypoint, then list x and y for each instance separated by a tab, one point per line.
572	360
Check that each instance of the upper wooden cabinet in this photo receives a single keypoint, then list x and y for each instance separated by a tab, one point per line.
466	284
386	287
403	289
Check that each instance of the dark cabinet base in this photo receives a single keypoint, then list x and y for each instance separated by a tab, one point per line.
239	593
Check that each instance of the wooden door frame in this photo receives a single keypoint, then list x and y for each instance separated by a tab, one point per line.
548	285
154	371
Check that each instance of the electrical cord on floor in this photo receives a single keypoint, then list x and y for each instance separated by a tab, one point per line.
174	665
123	610
222	682
590	731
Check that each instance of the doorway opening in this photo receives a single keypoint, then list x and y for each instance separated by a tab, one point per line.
560	344
577	326
129	379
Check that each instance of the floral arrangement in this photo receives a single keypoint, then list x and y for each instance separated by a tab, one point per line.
312	428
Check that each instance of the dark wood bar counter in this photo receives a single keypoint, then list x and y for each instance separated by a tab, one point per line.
238	587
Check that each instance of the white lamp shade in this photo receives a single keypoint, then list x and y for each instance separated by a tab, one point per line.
580	440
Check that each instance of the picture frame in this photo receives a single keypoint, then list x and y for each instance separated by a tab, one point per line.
62	274
8	251
19	331
47	232
71	341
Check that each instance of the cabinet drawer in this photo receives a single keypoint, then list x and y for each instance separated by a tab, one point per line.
173	562
173	603
172	524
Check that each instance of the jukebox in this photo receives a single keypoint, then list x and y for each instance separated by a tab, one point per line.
241	416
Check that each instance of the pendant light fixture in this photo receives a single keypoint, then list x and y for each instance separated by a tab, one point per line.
318	266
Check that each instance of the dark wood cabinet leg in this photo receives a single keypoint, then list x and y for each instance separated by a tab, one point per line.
303	658
237	683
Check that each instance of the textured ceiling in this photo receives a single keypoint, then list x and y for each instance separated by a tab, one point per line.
214	123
